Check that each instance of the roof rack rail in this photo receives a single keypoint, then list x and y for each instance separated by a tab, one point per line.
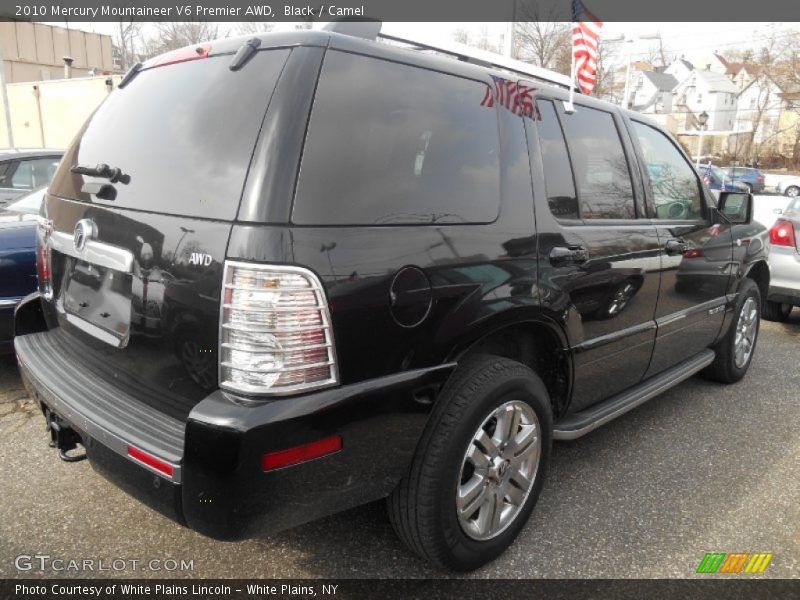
372	30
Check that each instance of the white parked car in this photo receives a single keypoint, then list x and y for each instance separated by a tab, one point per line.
789	187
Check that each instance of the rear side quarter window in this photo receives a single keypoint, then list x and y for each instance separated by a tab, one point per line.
392	144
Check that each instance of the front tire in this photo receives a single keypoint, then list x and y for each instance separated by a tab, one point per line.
777	311
735	350
479	467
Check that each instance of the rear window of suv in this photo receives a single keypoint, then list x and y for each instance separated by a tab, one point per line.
392	144
184	133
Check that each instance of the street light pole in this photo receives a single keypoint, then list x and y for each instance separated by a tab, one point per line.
702	119
627	75
646	36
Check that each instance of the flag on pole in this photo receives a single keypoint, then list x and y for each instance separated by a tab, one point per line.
585	38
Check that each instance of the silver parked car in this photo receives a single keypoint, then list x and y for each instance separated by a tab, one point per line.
784	262
22	171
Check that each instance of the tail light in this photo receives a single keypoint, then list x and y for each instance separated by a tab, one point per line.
760	178
44	271
782	234
275	331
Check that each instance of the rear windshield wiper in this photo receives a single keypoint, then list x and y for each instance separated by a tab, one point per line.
128	77
244	54
113	174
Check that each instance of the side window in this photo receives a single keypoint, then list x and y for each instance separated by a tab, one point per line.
394	144
601	169
23	176
34	173
42	171
675	187
555	161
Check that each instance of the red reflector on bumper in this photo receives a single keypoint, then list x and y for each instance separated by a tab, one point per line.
298	454
150	460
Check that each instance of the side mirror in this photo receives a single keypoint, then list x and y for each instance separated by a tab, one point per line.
736	206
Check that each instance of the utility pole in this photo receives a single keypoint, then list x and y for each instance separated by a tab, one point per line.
509	36
4	92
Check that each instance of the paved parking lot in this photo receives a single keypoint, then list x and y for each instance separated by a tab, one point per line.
702	468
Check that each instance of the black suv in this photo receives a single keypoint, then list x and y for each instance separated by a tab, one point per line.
284	276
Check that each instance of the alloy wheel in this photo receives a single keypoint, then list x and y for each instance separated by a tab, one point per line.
746	332
498	470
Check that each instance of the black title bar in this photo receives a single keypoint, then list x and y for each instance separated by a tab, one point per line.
713	12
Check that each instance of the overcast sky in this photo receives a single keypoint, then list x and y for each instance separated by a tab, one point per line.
692	40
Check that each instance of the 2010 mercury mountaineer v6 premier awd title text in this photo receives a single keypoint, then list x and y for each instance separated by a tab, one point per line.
286	275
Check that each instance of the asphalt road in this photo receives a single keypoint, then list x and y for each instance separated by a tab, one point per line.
704	467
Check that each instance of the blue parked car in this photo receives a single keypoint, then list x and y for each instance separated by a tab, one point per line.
718	180
752	178
17	260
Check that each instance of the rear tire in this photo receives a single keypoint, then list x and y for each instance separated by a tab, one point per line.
444	475
735	350
792	191
777	311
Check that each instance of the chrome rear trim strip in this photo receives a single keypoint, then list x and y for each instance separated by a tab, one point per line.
94	252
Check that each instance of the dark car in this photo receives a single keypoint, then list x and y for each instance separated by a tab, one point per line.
718	180
22	171
17	260
749	176
288	275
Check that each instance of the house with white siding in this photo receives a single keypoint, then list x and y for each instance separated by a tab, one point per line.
707	92
651	92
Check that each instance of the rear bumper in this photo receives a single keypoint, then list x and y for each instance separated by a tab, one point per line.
218	487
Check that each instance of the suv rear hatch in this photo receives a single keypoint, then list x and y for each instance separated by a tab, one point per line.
141	210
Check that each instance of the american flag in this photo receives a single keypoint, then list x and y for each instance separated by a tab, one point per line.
516	97
585	37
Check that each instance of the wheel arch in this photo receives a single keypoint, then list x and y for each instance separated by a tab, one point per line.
759	272
533	340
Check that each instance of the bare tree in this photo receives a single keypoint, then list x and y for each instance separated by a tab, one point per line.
125	36
461	36
766	99
658	54
252	27
172	35
607	85
539	37
478	40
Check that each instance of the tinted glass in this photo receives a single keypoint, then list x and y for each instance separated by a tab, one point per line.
393	144
183	132
601	170
23	176
676	191
555	160
41	171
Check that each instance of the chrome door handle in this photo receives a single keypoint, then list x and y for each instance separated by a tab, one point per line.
569	255
675	247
